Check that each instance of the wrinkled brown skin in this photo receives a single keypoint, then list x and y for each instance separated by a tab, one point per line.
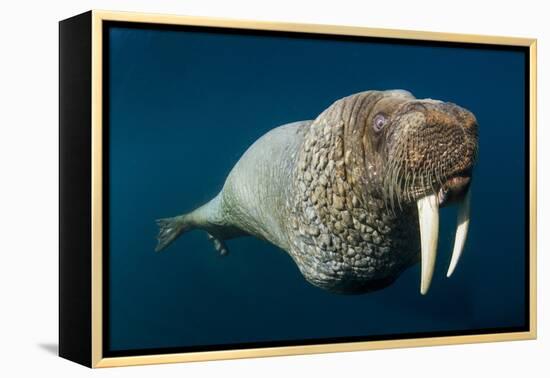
319	189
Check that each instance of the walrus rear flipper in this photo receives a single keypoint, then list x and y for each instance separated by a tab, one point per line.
170	229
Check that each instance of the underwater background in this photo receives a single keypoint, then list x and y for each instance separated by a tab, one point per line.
183	107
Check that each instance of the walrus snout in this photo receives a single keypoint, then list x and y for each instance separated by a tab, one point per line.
430	143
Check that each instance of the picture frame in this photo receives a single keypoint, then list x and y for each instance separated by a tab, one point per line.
87	144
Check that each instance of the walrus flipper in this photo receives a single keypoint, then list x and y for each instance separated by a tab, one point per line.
208	217
170	229
219	244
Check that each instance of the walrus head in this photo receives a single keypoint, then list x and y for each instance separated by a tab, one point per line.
368	166
425	152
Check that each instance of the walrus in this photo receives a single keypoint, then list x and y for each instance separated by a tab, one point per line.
352	196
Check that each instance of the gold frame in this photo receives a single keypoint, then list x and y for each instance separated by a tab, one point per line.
97	327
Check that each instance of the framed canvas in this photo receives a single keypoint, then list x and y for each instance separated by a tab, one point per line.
236	189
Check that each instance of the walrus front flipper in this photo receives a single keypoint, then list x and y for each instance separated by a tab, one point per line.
170	229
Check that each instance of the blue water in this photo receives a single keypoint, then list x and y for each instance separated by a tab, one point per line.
184	106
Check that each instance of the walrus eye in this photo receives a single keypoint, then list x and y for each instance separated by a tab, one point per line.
379	122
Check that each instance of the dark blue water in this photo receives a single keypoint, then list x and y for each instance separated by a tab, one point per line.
184	106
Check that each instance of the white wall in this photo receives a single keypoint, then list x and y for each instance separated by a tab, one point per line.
28	185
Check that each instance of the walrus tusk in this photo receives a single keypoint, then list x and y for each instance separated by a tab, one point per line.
462	223
428	218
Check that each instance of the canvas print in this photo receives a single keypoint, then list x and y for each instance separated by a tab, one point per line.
273	188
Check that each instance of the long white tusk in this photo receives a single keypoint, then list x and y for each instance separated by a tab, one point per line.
462	223
428	218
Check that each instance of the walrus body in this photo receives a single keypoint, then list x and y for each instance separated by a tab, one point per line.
340	193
